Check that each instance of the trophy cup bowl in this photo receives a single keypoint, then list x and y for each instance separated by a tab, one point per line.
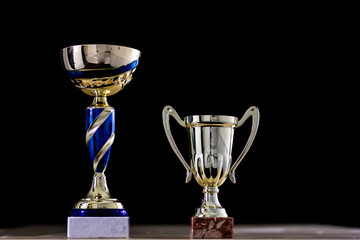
99	70
211	142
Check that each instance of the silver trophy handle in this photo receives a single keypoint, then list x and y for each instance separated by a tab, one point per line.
167	112
255	114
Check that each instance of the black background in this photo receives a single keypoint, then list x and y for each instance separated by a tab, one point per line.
292	62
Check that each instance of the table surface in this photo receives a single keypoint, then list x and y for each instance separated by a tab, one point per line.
183	232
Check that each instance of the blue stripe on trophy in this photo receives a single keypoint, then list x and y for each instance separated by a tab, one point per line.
102	212
100	73
100	137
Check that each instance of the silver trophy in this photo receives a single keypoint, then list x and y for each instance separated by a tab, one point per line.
211	142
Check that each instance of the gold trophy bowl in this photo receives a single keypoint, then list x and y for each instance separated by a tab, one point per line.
100	70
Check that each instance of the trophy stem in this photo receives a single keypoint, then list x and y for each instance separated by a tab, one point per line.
100	124
210	206
100	101
99	189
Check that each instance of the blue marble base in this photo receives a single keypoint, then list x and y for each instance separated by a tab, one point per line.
98	227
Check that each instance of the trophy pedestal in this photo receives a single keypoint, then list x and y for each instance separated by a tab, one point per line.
98	227
212	227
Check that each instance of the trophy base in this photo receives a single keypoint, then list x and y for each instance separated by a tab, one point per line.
212	227
99	196
101	212
91	203
98	227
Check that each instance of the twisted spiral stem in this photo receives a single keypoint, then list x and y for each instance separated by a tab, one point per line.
98	138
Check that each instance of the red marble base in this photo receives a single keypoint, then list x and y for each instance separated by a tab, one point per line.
212	227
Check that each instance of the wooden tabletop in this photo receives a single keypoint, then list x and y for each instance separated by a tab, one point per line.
183	232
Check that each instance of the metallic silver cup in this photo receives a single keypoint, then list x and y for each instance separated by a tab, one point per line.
211	140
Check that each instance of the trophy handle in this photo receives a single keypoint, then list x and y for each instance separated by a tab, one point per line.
255	114
167	112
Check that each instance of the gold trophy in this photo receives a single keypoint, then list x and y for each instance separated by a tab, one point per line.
99	70
211	140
